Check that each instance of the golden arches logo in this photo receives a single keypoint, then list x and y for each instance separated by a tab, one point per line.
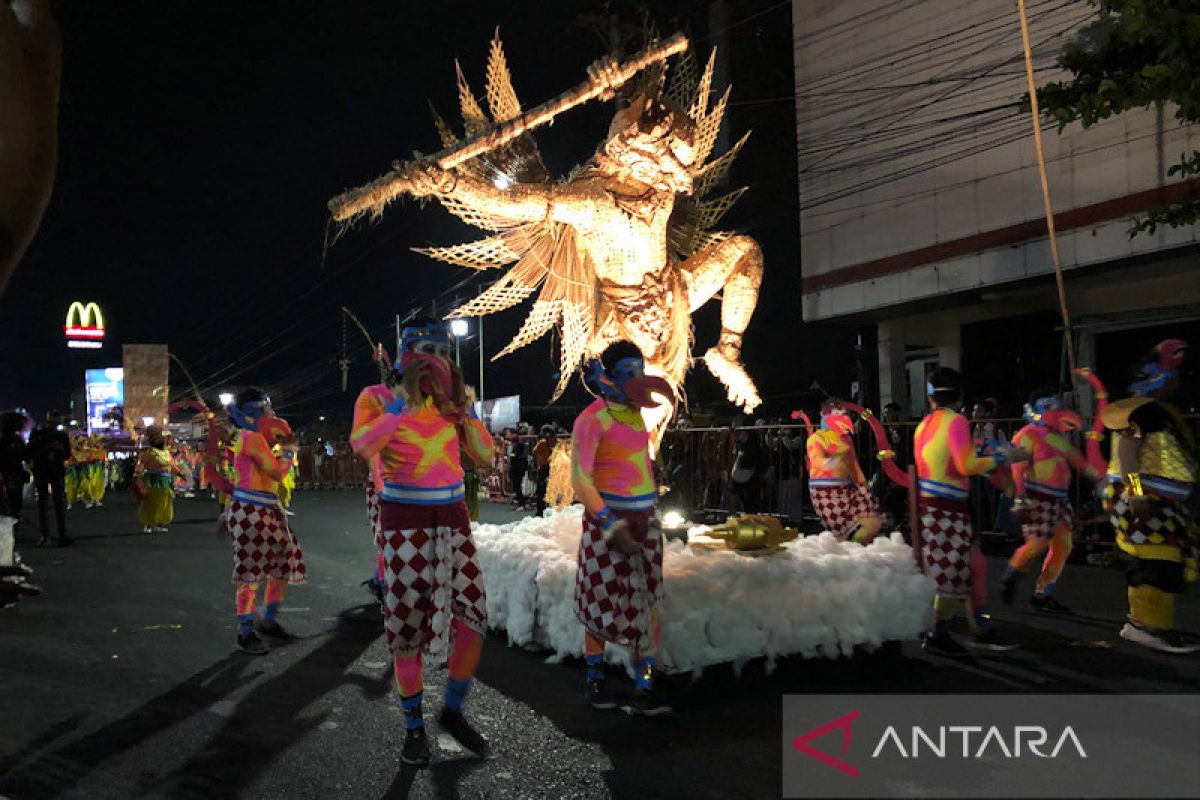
84	321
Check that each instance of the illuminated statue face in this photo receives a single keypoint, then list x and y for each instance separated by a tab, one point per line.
652	143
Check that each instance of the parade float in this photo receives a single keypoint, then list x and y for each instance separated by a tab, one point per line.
736	592
626	247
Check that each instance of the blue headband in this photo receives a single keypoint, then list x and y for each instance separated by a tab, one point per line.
247	415
612	389
1153	378
438	332
1034	411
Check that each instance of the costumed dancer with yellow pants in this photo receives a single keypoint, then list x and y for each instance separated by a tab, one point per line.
836	483
946	458
618	582
75	470
264	545
1155	461
435	599
1042	504
155	472
99	470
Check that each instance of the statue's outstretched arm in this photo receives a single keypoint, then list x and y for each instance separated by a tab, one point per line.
518	203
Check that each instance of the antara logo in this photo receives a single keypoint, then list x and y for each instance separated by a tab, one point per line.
946	741
84	326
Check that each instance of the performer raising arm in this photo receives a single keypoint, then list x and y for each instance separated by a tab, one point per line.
946	459
435	590
1042	485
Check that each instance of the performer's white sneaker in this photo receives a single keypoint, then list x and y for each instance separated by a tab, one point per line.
147	529
1166	641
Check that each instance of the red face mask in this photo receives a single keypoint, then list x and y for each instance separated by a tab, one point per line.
838	423
274	429
641	391
438	382
1061	419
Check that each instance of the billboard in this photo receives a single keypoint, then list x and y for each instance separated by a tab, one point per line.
105	390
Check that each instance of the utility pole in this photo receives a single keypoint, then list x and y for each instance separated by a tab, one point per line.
396	355
480	324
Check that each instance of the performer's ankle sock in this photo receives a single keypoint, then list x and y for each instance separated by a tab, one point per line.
270	611
644	672
456	692
595	667
1047	590
983	620
1010	573
245	624
413	716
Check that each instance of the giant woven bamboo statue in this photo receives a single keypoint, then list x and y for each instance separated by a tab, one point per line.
624	246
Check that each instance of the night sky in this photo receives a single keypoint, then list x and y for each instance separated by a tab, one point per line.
201	141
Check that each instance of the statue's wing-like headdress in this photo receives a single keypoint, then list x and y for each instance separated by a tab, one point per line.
694	219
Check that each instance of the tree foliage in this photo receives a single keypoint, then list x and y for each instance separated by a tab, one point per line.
1138	53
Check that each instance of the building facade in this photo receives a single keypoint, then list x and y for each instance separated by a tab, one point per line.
921	205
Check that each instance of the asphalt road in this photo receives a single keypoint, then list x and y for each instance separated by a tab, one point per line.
121	681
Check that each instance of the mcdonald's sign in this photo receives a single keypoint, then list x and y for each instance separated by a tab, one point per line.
85	326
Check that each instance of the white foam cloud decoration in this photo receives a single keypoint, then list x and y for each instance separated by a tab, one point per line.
817	598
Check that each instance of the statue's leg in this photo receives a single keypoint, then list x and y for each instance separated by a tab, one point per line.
734	268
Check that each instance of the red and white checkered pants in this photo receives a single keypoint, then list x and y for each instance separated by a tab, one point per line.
946	537
263	544
1044	514
432	575
842	507
373	512
614	594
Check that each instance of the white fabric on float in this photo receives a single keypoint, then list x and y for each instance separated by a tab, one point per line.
818	597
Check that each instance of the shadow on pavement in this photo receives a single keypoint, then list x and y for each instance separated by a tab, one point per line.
268	721
445	774
69	763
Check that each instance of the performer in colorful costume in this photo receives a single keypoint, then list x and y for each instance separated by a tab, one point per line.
76	470
836	483
369	407
619	575
435	592
264	546
98	469
1042	486
946	459
1154	458
154	473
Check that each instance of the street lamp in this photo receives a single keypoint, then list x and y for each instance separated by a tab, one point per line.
459	328
226	398
321	419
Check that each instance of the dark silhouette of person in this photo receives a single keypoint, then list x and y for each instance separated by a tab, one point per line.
47	455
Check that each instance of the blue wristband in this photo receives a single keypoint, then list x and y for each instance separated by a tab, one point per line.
396	406
605	517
